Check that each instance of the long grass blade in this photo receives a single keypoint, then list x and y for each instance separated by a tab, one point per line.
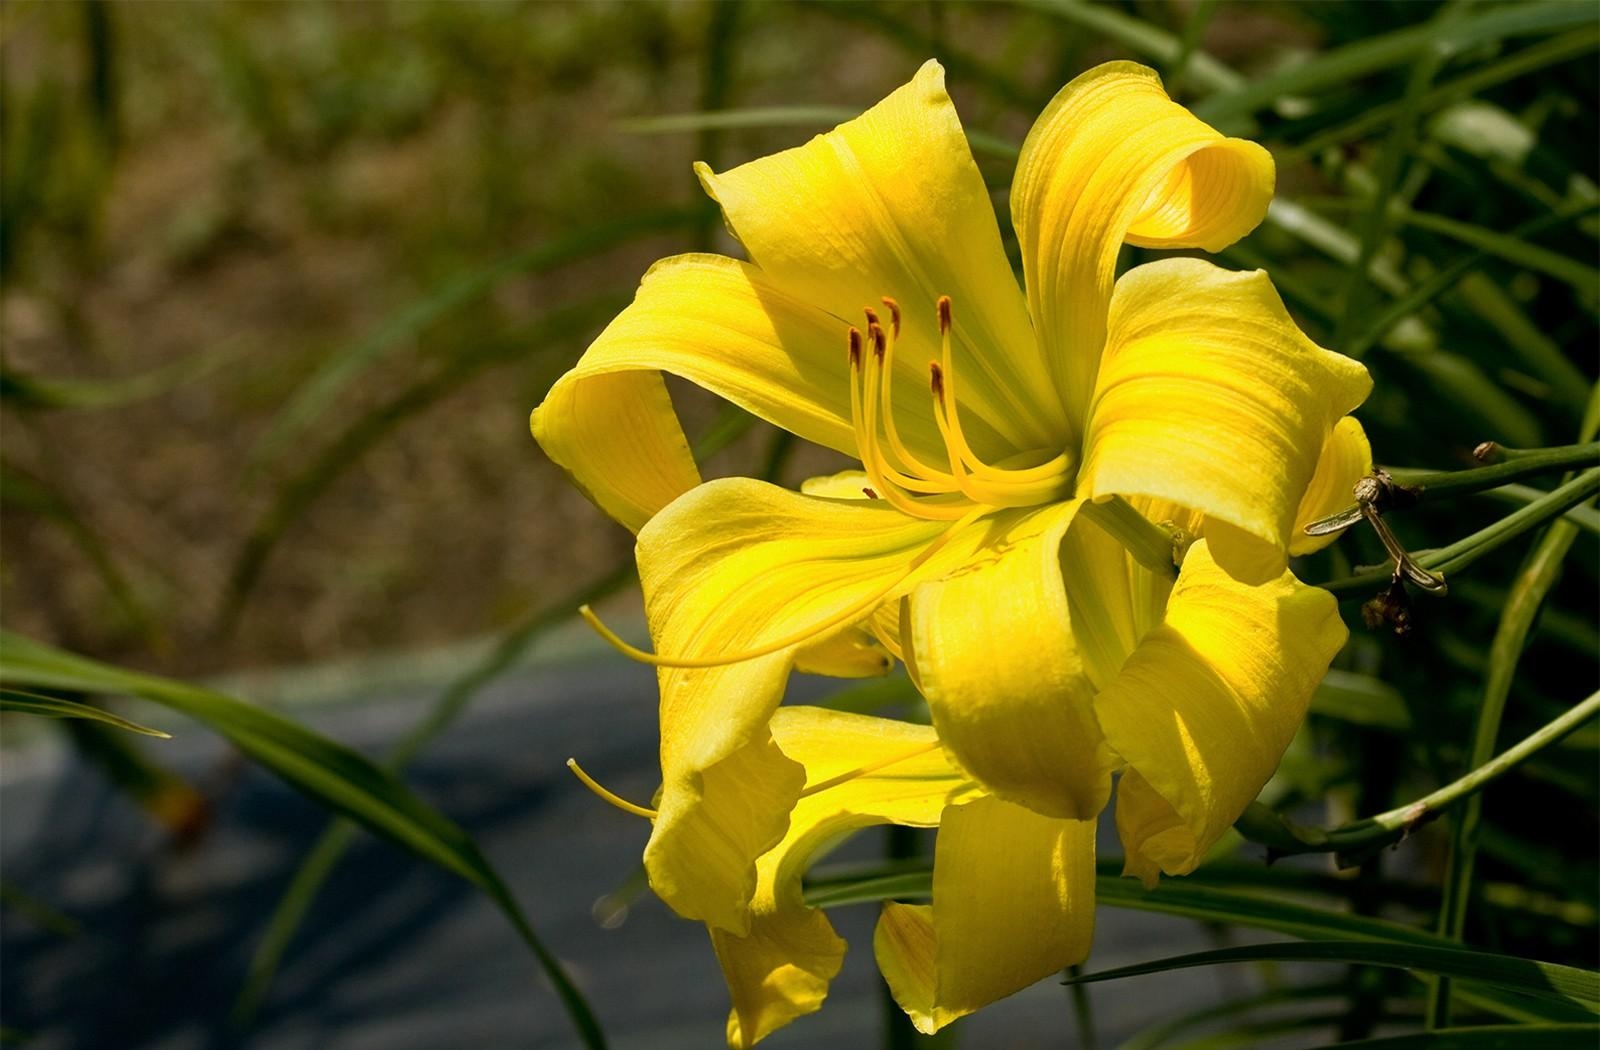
1543	980
1391	50
327	772
342	367
22	702
297	495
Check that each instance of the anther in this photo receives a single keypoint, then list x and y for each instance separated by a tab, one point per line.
872	317
870	493
936	379
853	339
944	314
894	316
879	345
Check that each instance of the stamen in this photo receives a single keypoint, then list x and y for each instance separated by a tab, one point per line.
909	463
893	484
871	767
849	614
616	800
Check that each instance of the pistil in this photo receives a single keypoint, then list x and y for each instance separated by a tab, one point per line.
849	614
623	804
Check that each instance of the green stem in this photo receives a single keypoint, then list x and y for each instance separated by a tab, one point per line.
1156	547
1519	464
1464	552
1082	1008
1586	518
1539	574
1510	465
1260	824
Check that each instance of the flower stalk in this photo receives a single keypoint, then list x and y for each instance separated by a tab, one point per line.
1353	842
1464	552
1506	465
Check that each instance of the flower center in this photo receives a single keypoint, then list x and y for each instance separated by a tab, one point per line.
904	479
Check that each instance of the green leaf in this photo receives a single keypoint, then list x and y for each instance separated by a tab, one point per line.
296	495
1519	63
820	118
340	368
37	911
23	490
1562	984
325	855
1489	1037
1398	48
1205	904
1447	277
1361	700
1162	1033
327	772
39	392
55	707
1181	898
1584	279
1142	38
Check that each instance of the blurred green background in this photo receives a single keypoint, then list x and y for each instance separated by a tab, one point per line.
282	281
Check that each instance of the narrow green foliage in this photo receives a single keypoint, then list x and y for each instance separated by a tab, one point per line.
1561	984
1391	50
21	702
329	773
303	488
339	369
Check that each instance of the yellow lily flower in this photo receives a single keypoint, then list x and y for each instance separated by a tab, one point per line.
878	316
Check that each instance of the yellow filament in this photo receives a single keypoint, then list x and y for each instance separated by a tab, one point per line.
871	767
863	401
906	457
850	613
616	800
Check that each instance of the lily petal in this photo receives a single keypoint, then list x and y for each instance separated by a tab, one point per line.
1112	159
874	208
1013	903
992	649
1346	459
732	566
1211	397
781	969
724	326
1204	708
